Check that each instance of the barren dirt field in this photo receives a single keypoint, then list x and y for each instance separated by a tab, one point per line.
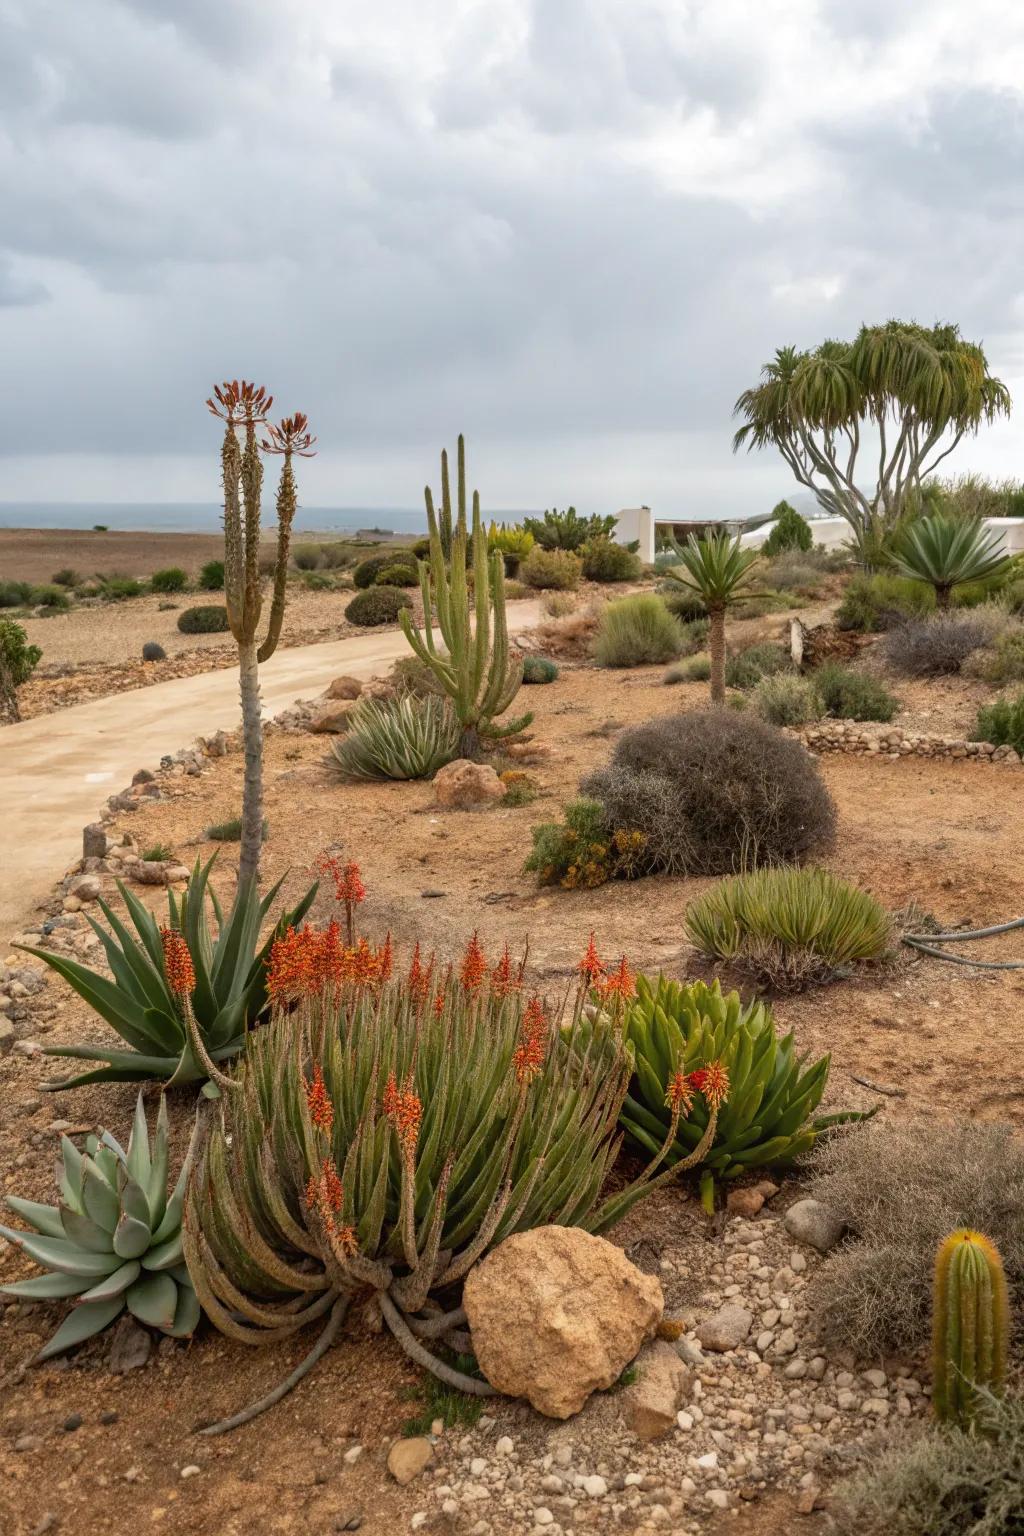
943	1041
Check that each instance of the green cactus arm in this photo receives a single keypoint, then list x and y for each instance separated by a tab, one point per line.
482	595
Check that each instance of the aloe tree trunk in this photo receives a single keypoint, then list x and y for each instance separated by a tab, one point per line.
252	784
716	644
942	596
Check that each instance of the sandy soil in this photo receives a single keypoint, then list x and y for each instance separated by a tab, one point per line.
932	832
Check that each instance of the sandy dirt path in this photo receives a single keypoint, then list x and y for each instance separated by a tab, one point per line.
57	770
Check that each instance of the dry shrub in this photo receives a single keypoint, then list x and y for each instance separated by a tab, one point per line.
901	1188
939	645
714	791
557	605
942	1483
571	638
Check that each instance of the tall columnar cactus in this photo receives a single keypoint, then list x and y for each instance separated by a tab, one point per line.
244	407
970	1325
478	673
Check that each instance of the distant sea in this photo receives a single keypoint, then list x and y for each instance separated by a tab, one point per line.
205	517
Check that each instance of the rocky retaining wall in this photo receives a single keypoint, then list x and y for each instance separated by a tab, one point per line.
891	741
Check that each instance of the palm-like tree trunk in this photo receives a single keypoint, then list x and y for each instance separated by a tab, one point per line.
942	596
716	644
252	786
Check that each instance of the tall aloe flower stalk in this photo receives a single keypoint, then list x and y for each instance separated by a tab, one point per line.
387	1134
244	407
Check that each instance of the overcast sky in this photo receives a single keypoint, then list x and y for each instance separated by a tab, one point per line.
574	229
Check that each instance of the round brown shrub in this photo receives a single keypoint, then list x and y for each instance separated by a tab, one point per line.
714	791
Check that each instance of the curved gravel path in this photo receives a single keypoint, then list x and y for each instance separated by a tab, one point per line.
57	770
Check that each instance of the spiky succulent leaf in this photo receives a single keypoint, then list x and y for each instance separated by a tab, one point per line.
229	996
102	1244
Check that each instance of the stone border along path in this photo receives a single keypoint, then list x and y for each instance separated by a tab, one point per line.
56	770
891	741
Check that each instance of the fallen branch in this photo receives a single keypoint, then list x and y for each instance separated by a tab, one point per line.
890	1093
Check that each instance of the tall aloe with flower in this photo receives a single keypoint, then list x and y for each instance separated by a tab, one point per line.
385	1134
718	570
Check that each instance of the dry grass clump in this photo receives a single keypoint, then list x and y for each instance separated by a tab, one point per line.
942	1483
714	791
787	699
557	605
636	631
939	645
571	638
901	1188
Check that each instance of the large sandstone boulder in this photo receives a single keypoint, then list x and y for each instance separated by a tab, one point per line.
344	688
331	719
466	786
557	1314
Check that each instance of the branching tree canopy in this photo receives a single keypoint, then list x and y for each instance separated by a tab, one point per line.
908	391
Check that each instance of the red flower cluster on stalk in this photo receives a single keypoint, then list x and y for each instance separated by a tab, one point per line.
404	1110
474	965
305	960
503	979
591	968
712	1080
348	886
528	1057
324	1196
420	977
321	1110
178	967
621	983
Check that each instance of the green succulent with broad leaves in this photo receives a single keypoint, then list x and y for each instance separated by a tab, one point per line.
769	1117
230	992
948	552
717	570
113	1243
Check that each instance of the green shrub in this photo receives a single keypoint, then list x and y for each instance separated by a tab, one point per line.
538	669
581	852
874	603
940	644
411	675
789	928
847	695
15	594
114	589
682	602
794	572
54	598
211	619
515	590
365	573
714	791
376	605
791	531
1002	723
677	1027
874	1294
173	579
403	738
636	631
695	669
604	560
317	581
1004	663
17	660
65	577
158	853
787	699
549	570
567	530
231	831
695	634
152	651
211	577
400	574
746	668
513	544
941	1482
306	557
334	555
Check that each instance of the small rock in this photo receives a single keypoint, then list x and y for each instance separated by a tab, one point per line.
744	1202
331	719
7	1036
726	1329
807	1500
110	1417
129	1347
344	688
504	1446
407	1458
72	1422
353	1454
650	1404
94	841
190	1471
876	1379
85	887
542	1515
718	1498
594	1487
708	1462
25	1443
813	1223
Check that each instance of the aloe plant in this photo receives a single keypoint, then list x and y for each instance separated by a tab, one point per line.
947	552
141	1005
769	1120
403	738
386	1135
113	1243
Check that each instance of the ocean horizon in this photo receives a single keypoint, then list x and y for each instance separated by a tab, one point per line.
205	517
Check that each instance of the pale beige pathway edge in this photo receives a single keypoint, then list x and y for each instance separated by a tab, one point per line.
57	770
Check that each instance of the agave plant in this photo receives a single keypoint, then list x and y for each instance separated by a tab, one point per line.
229	992
789	927
717	569
947	552
673	1027
114	1241
386	1134
403	738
